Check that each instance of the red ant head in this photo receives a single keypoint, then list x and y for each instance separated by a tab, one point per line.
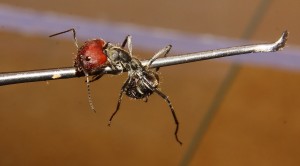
90	57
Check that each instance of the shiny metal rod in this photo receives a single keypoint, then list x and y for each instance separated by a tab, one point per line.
70	72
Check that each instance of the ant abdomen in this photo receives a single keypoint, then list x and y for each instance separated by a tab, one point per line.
142	88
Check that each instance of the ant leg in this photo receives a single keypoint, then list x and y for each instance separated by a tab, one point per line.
119	100
166	98
165	55
163	51
128	41
74	35
172	110
125	42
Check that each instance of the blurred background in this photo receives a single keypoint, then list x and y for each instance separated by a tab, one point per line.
242	110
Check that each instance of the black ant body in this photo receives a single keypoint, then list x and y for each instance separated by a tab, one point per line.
141	82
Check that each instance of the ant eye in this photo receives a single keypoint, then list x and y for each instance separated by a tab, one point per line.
88	58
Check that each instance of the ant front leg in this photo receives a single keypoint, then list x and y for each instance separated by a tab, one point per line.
128	41
123	89
74	35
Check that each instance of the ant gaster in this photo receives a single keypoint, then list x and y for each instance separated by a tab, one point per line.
96	54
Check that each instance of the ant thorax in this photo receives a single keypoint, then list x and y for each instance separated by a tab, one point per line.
119	58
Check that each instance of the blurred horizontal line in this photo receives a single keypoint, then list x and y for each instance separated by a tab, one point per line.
28	21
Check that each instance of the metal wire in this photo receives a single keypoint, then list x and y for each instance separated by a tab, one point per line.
70	72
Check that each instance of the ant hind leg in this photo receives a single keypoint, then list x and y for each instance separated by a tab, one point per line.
173	112
165	97
163	52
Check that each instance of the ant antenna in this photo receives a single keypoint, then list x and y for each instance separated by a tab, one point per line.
74	35
88	88
85	72
89	93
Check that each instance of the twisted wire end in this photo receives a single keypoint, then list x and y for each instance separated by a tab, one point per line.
281	42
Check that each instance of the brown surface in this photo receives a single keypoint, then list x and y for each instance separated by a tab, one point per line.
258	123
51	124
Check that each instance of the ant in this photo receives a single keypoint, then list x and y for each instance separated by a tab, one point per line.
141	82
